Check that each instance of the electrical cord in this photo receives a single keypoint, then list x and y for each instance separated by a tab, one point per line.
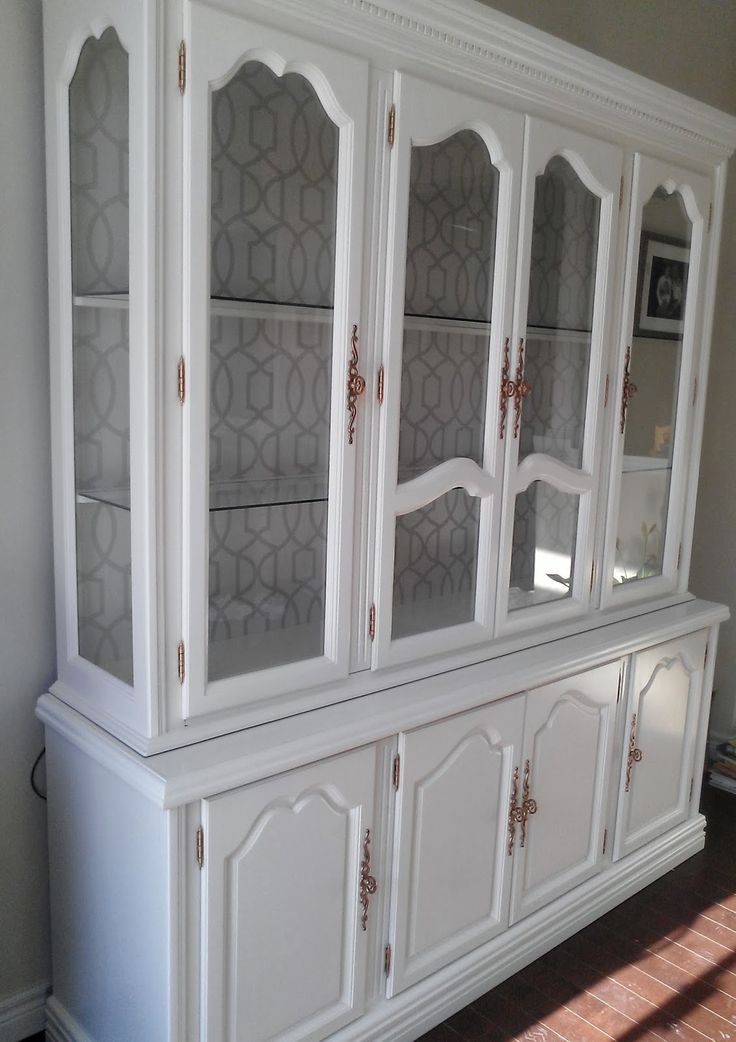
34	786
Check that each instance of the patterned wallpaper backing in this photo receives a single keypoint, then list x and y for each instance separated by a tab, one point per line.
98	120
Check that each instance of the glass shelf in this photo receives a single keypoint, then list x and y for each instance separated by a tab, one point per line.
224	307
235	495
637	464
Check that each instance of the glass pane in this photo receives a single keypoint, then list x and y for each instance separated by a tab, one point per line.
543	553
453	202
560	314
435	565
274	176
655	359
98	146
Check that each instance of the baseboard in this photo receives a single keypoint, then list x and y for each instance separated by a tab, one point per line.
406	1016
23	1014
61	1025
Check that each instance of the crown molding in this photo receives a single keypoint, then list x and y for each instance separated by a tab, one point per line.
525	66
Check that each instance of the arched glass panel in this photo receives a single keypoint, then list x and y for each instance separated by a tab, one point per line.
453	203
654	361
273	226
560	314
435	565
543	553
98	149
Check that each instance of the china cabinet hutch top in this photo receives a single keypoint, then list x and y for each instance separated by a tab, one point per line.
379	345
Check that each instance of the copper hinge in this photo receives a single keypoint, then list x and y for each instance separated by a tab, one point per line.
710	217
695	391
605	393
621	193
379	391
182	67
180	661
679	557
396	772
200	846
181	380
391	126
605	840
372	622
692	784
592	575
387	959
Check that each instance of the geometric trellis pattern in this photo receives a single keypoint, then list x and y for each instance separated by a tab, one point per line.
564	249
98	152
270	398
274	190
267	569
98	122
435	563
553	414
544	539
453	200
443	399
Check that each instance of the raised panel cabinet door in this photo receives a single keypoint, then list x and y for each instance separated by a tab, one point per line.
452	859
564	786
455	174
286	862
659	742
276	130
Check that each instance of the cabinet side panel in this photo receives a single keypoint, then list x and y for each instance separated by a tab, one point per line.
109	900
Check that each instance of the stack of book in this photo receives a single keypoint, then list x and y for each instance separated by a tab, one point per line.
723	768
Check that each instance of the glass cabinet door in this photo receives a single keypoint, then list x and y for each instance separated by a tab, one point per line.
101	228
656	385
275	313
552	378
455	174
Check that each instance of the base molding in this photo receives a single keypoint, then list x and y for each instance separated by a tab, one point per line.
23	1014
61	1025
409	1014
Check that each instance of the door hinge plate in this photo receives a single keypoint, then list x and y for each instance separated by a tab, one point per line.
200	846
180	668
710	217
605	840
679	557
605	393
621	193
181	380
620	684
692	785
182	67
391	126
379	391
372	622
396	771
592	576
387	959
695	390
705	656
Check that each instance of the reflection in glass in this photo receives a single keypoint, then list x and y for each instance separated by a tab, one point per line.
273	227
98	153
435	564
560	314
543	553
453	201
655	361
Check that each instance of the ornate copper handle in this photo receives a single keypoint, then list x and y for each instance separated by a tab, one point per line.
368	884
514	811
635	755
507	389
521	389
629	389
528	805
356	385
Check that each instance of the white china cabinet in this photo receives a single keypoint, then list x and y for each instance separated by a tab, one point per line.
379	350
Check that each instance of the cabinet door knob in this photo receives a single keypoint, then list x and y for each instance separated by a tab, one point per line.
356	385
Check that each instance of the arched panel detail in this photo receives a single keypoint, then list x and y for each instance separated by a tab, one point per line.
331	800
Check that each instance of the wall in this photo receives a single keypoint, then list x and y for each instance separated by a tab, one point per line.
26	591
687	45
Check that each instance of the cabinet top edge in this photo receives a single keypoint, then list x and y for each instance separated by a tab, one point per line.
179	776
500	51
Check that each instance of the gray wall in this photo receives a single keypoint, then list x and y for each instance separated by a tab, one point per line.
689	46
27	651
